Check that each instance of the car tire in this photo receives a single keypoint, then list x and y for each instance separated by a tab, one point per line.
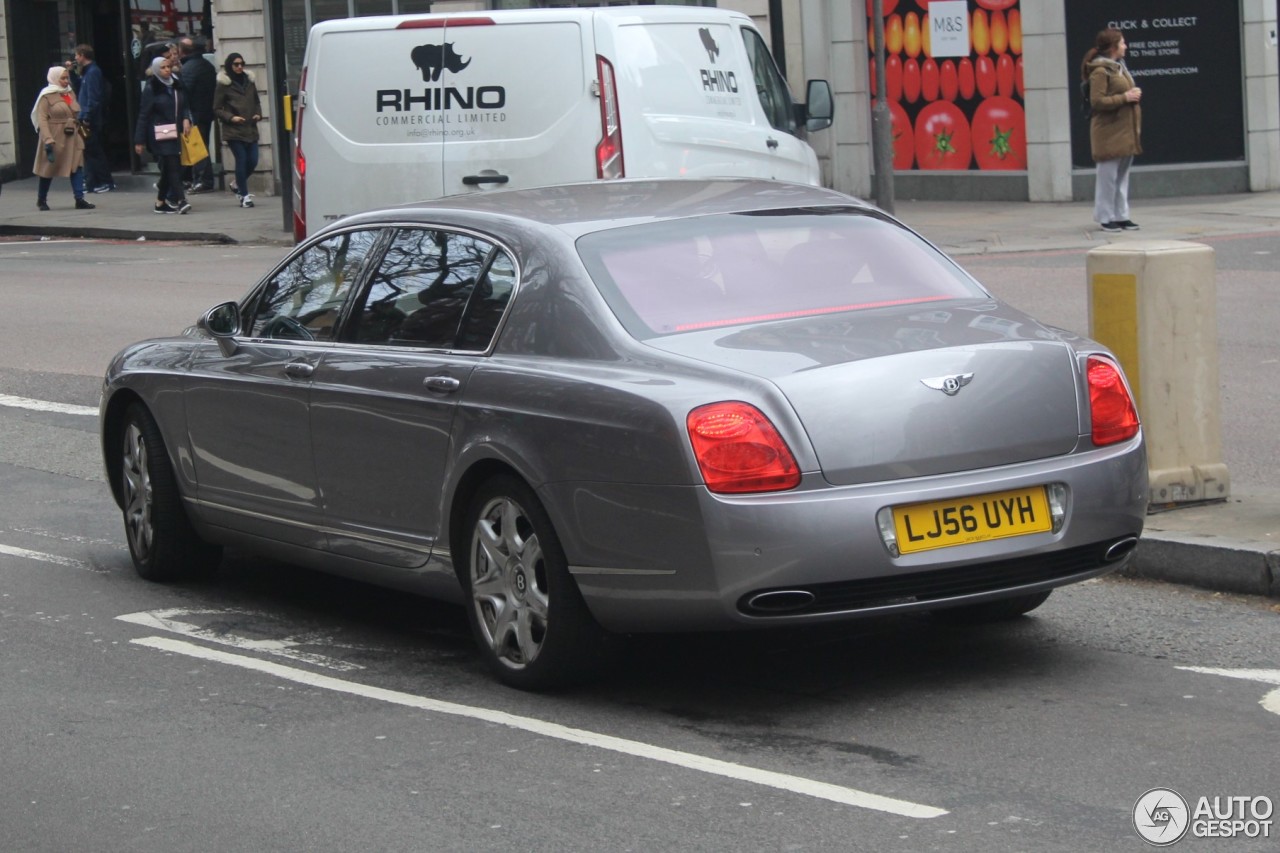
162	542
1000	610
525	610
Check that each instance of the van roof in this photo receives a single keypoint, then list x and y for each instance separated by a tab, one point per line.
620	15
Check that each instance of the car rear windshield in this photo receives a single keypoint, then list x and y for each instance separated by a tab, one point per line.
727	270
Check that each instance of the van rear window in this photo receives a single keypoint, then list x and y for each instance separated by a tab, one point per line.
728	270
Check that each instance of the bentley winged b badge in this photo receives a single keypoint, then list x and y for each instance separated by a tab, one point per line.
949	385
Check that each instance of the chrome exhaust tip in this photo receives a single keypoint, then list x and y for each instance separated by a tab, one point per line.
1120	549
780	601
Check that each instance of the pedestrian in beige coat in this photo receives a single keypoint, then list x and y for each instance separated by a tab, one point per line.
61	152
1115	128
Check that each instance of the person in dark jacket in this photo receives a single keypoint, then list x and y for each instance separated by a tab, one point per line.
164	105
236	104
92	95
200	78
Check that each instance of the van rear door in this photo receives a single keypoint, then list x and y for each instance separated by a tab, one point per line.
519	108
373	130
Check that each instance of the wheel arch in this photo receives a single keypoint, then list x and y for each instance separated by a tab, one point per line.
476	475
112	432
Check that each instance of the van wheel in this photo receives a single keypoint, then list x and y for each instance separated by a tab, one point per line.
1000	610
525	609
162	543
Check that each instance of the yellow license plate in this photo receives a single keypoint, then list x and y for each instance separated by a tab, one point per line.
960	521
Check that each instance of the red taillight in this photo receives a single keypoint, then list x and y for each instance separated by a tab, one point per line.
609	163
1112	414
738	450
442	23
300	167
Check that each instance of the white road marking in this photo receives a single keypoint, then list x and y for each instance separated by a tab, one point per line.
1270	702
781	781
46	406
46	558
165	620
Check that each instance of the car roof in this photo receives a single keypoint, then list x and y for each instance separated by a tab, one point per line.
582	208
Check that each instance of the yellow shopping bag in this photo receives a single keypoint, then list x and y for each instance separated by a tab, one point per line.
193	149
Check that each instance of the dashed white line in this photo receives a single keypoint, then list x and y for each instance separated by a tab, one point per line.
45	558
167	620
702	764
1270	702
46	406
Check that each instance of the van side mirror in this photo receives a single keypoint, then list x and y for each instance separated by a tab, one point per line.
223	323
819	106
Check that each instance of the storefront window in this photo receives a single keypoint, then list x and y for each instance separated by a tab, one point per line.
373	7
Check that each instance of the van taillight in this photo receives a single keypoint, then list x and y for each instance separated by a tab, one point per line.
300	167
609	163
1112	414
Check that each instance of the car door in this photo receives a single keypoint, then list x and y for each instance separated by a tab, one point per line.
383	401
791	157
248	412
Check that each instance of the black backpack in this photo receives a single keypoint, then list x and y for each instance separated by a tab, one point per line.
1086	108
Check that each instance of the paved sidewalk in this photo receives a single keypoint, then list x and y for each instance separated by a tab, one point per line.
128	213
1232	546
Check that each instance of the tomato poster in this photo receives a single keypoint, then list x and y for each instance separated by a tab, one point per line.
1185	54
953	82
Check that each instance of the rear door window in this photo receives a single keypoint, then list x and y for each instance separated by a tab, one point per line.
435	289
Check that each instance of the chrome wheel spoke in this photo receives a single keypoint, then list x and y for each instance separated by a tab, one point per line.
508	585
137	490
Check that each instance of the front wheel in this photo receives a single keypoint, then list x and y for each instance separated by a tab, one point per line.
525	610
162	543
1000	610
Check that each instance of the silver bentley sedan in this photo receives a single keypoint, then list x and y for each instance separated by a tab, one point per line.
632	406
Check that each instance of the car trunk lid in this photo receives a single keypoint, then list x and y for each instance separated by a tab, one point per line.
900	393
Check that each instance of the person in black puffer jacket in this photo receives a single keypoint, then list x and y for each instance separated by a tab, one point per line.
164	107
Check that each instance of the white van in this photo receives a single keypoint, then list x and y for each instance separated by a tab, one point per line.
407	108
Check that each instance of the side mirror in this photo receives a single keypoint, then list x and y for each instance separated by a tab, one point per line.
819	105
222	322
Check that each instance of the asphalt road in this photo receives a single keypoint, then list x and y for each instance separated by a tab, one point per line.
272	708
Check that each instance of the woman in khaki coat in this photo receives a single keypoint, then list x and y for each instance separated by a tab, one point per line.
61	152
1115	128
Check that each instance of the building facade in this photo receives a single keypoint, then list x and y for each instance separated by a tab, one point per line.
984	93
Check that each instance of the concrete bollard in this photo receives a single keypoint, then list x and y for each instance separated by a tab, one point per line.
1153	303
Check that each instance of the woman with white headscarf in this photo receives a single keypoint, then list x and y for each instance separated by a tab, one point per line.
61	152
162	115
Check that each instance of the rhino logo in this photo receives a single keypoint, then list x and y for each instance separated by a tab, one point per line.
713	49
431	59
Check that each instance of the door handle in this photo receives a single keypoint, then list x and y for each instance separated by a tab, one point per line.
475	180
772	143
443	384
299	369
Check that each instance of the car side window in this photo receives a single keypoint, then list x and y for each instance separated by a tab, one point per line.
436	289
771	88
304	300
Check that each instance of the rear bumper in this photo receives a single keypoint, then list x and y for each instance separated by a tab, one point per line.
702	562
